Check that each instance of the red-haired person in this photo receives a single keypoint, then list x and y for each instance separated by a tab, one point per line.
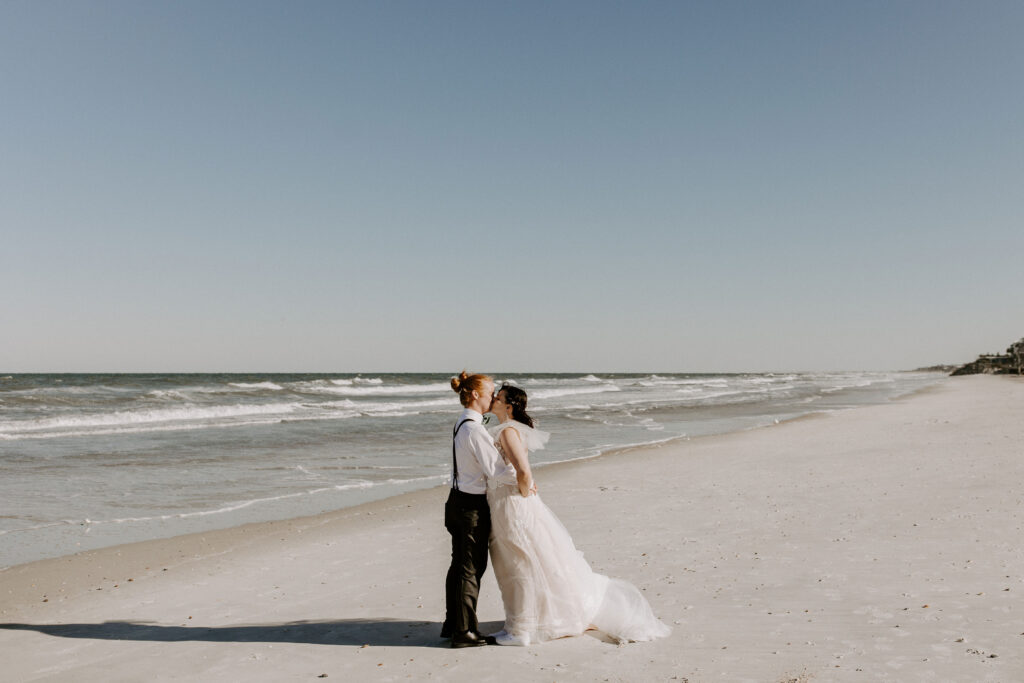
475	463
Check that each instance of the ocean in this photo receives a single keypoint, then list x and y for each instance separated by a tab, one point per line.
93	460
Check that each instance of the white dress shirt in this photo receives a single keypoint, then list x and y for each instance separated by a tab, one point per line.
480	464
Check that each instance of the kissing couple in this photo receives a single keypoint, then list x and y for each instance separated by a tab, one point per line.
548	589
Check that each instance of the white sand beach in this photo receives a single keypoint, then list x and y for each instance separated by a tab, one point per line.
877	544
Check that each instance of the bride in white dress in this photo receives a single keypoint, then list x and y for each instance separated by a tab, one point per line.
548	589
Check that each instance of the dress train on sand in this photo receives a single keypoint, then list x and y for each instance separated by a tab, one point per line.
547	587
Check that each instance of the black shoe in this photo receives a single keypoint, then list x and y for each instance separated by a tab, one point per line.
446	631
471	639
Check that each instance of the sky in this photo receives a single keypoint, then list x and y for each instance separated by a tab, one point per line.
509	186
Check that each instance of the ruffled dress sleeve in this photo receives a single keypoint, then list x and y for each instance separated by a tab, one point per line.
533	438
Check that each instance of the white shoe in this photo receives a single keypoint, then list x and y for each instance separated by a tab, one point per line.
505	638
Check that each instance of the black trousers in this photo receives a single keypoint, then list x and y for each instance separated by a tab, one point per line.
468	520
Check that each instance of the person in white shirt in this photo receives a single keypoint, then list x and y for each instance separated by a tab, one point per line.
476	465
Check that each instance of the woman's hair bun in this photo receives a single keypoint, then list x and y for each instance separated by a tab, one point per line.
457	381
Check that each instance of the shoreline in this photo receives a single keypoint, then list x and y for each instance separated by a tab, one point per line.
875	543
46	576
295	470
199	537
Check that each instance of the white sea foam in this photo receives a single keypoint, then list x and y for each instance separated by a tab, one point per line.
386	406
316	417
257	385
720	394
145	429
136	417
554	381
378	390
656	381
779	378
203	417
302	469
172	394
572	391
381	406
853	385
368	380
61	391
343	403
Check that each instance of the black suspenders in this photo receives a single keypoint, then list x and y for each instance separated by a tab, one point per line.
455	463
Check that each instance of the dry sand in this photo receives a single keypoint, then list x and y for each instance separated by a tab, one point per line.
877	544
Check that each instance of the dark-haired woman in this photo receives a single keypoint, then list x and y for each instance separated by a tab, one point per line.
548	589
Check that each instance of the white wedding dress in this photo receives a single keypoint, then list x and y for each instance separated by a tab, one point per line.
548	589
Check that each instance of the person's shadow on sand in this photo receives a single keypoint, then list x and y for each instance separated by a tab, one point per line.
394	632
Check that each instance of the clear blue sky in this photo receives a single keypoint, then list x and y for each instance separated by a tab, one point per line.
514	186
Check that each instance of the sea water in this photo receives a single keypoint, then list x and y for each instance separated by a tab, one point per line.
94	460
